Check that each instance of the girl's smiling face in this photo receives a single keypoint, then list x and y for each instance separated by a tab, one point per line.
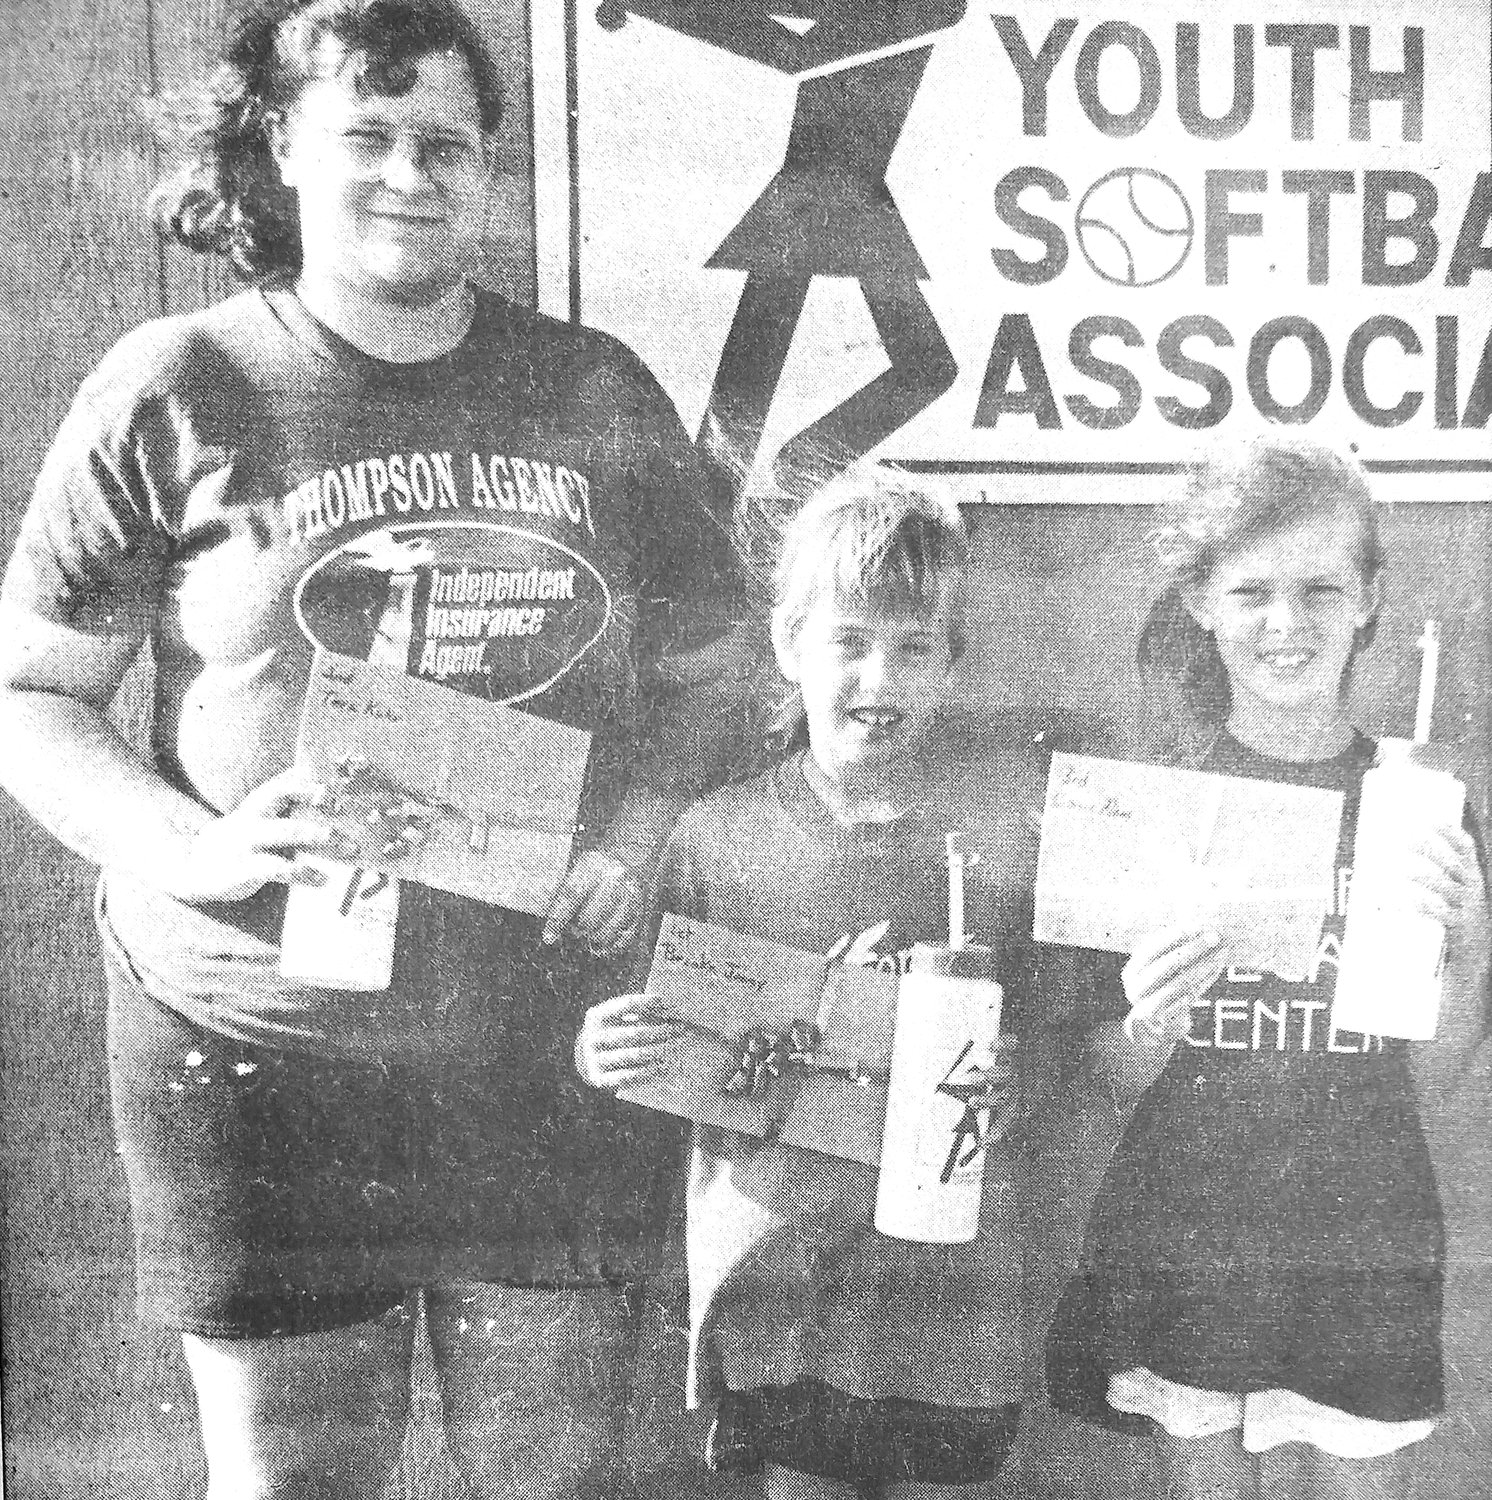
870	681
1285	610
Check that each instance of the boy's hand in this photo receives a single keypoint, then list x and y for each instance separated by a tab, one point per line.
622	1041
1166	974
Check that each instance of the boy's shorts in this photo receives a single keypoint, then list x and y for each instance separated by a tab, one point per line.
817	1429
273	1193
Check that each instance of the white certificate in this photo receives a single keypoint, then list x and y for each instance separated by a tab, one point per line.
1128	847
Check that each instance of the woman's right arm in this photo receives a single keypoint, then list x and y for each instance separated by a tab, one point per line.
64	762
81	593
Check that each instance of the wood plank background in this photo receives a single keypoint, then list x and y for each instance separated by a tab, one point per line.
94	1405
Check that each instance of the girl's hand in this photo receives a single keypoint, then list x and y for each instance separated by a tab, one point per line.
259	841
600	902
1166	973
622	1041
1445	880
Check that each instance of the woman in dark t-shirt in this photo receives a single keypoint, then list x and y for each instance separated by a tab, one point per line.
364	454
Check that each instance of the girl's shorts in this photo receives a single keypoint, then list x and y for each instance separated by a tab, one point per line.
817	1429
273	1193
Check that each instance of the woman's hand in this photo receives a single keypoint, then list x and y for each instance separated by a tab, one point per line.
1167	973
259	841
600	902
622	1040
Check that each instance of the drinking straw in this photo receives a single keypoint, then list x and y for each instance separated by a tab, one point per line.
1429	670
958	859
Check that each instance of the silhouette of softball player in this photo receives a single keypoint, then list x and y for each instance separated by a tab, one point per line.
827	212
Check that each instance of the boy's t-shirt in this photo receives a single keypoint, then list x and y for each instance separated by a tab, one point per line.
788	1278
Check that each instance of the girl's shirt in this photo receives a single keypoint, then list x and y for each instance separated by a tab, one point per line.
1273	1137
788	1278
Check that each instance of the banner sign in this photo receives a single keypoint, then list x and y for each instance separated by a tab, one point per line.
986	238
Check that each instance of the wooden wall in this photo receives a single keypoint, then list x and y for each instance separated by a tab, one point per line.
95	1406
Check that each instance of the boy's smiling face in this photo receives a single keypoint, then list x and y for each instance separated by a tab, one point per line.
871	681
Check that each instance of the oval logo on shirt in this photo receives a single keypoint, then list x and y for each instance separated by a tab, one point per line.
495	611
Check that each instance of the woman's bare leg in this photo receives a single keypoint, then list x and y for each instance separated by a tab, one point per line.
1387	1478
791	1484
535	1386
315	1416
988	1489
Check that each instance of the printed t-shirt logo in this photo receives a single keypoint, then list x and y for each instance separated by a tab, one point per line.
496	611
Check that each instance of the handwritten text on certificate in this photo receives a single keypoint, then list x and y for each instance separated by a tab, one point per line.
1126	848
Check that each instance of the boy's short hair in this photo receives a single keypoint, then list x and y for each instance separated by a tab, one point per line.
875	539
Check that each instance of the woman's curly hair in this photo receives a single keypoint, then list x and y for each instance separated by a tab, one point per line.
226	197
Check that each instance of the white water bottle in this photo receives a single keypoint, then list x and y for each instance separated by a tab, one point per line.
932	1157
341	934
1388	982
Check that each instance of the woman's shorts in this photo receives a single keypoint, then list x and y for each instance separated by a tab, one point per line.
817	1429
273	1193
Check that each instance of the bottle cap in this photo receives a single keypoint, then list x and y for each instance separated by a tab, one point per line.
973	961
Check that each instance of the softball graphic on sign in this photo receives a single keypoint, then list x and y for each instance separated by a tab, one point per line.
1134	227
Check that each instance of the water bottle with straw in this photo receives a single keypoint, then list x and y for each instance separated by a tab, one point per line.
1388	983
341	934
947	1022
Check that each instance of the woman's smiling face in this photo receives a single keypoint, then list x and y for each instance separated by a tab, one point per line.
1285	610
392	187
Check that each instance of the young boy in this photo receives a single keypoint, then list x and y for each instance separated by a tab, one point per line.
846	1362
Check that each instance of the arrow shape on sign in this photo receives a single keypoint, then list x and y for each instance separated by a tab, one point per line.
800	25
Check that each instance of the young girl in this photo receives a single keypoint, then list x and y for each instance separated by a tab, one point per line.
845	1361
1262	1279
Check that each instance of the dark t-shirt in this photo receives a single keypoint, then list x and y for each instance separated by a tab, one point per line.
1299	1142
788	1278
1270	1217
239	486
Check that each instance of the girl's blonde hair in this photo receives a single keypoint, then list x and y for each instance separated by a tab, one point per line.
874	539
1270	484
